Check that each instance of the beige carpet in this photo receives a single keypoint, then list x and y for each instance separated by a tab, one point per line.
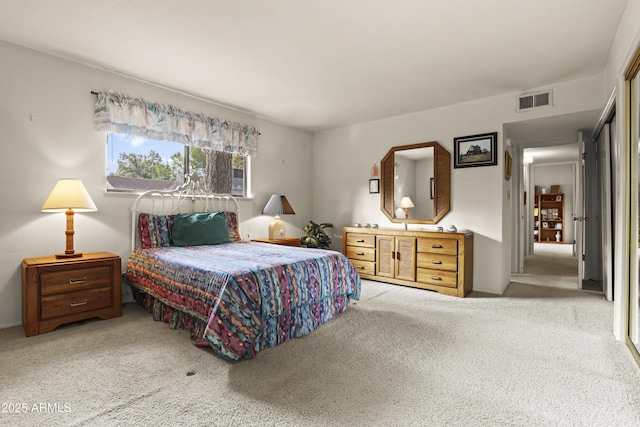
550	265
399	357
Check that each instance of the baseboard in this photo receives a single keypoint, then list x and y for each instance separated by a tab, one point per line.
10	325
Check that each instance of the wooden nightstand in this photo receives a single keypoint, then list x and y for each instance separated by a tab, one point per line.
285	241
62	290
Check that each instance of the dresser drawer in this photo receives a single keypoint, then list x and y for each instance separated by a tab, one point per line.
364	267
364	254
71	280
438	246
438	277
438	262
74	302
361	240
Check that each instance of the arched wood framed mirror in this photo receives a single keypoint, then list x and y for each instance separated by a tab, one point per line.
421	172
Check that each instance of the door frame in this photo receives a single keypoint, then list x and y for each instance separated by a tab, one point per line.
607	202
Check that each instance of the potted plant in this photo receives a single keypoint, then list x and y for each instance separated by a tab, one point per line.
316	236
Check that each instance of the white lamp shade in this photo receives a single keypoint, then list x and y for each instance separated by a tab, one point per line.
69	194
278	205
406	203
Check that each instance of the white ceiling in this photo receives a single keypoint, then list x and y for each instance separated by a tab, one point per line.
318	64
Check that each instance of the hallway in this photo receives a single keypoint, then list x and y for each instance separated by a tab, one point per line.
550	265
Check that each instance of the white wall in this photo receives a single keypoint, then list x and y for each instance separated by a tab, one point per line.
46	133
624	45
343	157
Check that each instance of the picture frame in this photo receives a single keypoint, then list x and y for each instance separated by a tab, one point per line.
431	189
374	186
559	198
475	150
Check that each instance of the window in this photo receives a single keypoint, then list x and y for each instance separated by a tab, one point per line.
139	164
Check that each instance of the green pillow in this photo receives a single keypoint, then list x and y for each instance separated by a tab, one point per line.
200	229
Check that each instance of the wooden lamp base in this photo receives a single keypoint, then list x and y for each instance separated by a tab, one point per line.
69	252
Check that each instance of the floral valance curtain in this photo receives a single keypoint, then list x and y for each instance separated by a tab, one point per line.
118	113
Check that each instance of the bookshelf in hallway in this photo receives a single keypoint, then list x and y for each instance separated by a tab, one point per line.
548	218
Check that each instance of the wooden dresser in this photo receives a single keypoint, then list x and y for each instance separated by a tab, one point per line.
57	291
431	260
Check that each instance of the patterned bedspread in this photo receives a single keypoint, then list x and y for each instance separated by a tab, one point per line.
248	296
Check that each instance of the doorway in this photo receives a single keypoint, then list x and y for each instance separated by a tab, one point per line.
551	258
550	136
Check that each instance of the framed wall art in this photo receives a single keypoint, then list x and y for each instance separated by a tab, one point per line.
475	150
374	186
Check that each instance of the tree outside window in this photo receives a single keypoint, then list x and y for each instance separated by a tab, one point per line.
138	164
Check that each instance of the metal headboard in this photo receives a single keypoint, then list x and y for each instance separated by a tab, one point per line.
190	197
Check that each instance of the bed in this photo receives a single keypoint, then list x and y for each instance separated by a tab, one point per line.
190	268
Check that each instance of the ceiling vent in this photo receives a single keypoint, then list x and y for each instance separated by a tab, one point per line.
534	100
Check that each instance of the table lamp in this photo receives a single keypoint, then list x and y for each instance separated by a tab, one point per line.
69	196
277	205
405	203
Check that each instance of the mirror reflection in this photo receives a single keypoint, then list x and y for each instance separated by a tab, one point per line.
412	179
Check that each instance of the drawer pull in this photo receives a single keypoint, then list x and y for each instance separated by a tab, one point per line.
360	241
360	267
77	281
436	262
436	278
81	302
435	246
360	253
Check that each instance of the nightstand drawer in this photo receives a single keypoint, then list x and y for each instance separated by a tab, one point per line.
74	302
72	280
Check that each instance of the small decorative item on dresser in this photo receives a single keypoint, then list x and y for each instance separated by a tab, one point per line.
63	290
